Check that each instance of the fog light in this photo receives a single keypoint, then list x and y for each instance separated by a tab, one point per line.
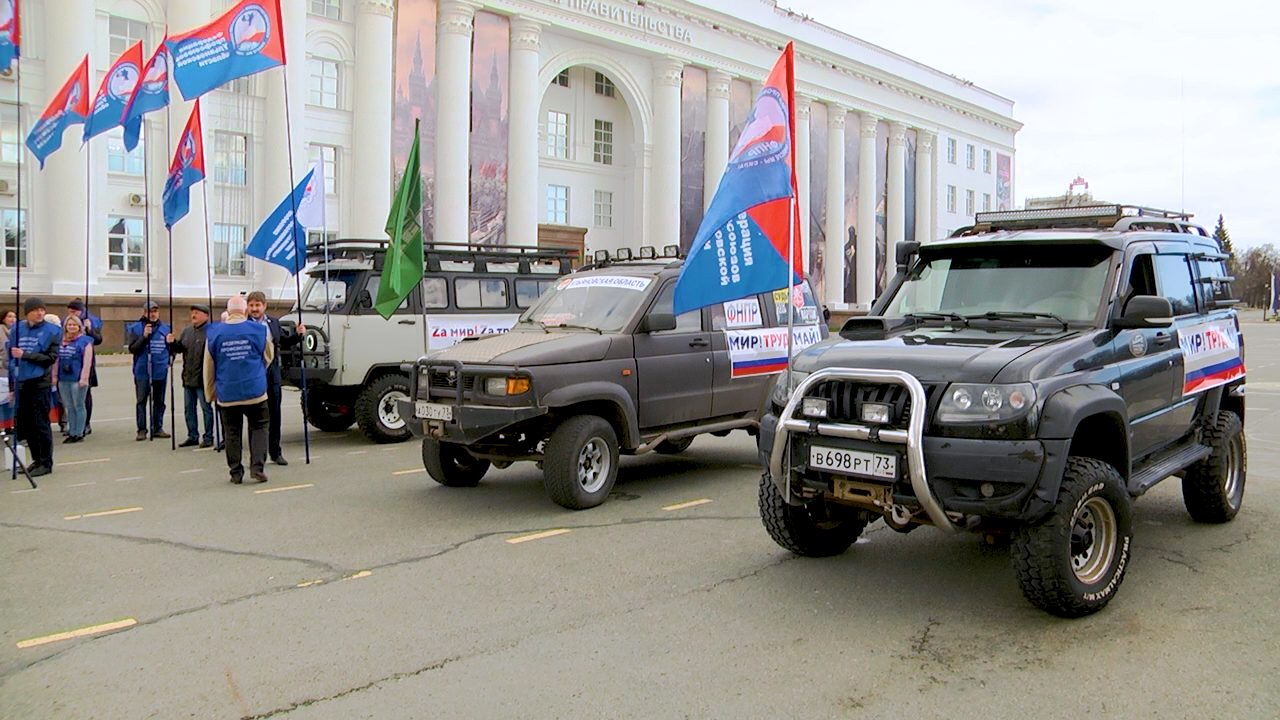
817	408
877	413
987	489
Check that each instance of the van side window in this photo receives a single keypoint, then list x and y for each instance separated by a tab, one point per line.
529	290
371	287
435	293
471	293
1174	275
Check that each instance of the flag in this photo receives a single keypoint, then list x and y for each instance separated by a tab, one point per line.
1275	292
150	94
402	269
10	33
311	209
187	170
69	107
740	248
113	94
282	240
242	41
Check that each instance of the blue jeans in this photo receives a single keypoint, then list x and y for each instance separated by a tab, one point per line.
194	395
73	402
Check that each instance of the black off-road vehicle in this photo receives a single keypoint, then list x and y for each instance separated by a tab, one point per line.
1030	375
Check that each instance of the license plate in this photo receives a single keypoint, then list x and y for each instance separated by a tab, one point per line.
432	411
854	462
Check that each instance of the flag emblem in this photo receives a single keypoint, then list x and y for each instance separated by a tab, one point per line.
765	136
122	82
250	31
157	78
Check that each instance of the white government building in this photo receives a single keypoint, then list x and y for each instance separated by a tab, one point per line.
914	147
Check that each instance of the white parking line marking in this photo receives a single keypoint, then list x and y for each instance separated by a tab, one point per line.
137	477
84	462
19	492
283	489
193	470
103	513
83	484
536	536
81	632
410	472
682	506
358	452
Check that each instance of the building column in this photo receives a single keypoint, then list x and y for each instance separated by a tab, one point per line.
664	183
924	186
834	255
802	177
865	254
896	211
717	147
522	147
277	151
369	189
453	120
190	279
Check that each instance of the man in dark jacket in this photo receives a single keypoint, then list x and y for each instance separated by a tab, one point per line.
191	345
147	340
275	378
33	350
93	328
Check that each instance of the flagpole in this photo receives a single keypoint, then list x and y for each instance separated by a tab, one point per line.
297	281
208	271
20	235
173	398
146	249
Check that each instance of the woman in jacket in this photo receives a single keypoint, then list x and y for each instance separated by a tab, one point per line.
75	359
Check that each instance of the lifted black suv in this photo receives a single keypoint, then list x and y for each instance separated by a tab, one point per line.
1029	375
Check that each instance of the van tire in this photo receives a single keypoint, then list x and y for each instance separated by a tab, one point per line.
322	416
376	411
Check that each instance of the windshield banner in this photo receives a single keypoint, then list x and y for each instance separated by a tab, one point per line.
764	351
1210	355
608	281
448	330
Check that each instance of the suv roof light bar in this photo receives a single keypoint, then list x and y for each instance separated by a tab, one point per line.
1093	217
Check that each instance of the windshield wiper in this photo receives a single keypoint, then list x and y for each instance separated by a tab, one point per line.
1017	315
581	327
539	323
944	316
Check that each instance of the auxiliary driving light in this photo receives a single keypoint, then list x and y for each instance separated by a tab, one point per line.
815	408
877	413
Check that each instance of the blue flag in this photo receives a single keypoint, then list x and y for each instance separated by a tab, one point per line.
245	40
187	170
150	94
10	33
282	240
113	95
69	107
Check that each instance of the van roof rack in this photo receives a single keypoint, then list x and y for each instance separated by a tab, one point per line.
1119	218
434	253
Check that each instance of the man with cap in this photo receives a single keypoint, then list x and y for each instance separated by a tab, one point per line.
92	327
257	302
147	340
33	350
191	345
236	357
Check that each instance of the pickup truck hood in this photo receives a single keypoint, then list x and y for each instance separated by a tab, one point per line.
932	354
527	348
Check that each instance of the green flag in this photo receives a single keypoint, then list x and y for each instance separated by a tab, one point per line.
402	270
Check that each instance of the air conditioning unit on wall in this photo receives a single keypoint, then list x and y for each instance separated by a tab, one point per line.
6	187
137	199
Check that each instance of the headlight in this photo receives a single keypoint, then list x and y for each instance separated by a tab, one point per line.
499	386
986	403
782	391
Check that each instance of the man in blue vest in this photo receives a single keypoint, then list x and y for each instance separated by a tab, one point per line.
236	357
93	328
148	341
33	350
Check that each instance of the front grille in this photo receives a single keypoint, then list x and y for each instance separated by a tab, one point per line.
847	398
440	381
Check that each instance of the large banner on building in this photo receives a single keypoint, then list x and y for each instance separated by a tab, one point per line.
909	233
693	159
415	97
818	200
882	203
1004	182
852	153
490	59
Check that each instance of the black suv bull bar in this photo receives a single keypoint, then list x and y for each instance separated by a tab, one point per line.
912	437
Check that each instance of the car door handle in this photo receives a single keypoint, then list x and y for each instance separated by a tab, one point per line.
699	342
1163	338
408	322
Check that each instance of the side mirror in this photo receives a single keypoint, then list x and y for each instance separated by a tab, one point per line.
657	322
905	251
1145	311
365	300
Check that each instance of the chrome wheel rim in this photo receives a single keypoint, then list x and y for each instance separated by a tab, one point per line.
1094	537
593	465
388	414
1233	483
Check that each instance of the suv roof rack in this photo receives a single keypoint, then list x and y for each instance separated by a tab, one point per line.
436	252
1120	218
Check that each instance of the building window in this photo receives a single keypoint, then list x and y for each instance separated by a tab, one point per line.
324	82
951	150
603	149
124	33
320	237
986	161
122	161
558	134
239	86
331	9
562	79
951	198
986	202
968	202
603	209
604	86
15	237
558	204
9	142
230	158
968	156
328	155
228	250
125	246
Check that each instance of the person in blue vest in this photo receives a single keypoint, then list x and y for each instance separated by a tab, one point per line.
32	351
148	339
92	326
237	354
75	360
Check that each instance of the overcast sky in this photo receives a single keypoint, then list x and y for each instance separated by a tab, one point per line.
1170	104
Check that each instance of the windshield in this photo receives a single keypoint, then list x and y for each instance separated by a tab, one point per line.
1063	281
599	302
331	292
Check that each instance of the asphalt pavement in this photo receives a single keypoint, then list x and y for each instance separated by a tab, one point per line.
139	583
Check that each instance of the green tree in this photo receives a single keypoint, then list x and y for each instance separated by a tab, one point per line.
1224	241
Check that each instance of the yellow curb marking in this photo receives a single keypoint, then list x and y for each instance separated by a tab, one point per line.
84	462
536	536
357	576
682	506
410	472
309	584
283	489
104	513
82	632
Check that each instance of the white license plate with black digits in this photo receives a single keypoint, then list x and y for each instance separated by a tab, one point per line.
432	411
853	462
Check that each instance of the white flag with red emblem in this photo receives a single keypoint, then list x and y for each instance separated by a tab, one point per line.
311	208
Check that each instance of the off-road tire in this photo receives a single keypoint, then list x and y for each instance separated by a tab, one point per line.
451	465
815	529
1213	489
673	447
324	419
580	462
367	409
1094	514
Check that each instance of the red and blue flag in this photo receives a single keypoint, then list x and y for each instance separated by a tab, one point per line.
150	94
113	94
10	33
741	247
243	41
69	107
186	170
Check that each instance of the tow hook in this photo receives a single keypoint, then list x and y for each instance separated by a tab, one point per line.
898	517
